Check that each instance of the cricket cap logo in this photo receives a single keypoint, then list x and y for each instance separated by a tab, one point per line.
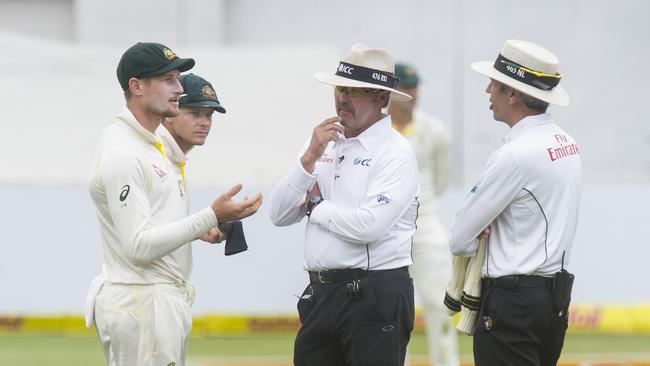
208	92
169	54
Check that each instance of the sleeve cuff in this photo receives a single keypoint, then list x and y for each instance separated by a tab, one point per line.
300	179
463	250
322	214
208	218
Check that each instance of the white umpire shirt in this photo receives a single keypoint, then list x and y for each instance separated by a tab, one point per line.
141	208
370	187
529	191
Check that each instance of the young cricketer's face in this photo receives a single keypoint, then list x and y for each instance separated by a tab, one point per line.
161	93
359	107
191	127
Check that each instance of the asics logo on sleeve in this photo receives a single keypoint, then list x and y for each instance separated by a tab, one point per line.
125	192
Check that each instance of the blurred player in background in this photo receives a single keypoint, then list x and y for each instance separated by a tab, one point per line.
431	268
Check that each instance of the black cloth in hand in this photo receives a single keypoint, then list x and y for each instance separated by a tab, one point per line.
235	239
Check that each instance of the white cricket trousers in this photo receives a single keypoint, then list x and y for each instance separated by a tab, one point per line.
144	325
431	271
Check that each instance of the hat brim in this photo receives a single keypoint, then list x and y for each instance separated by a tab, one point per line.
557	95
182	64
336	80
205	104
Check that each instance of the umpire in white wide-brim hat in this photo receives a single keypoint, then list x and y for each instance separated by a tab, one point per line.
365	67
528	68
356	186
526	204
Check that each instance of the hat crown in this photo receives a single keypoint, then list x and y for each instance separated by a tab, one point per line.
372	58
197	87
530	55
145	59
365	67
199	92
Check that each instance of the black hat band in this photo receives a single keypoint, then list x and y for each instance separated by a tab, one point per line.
367	75
527	76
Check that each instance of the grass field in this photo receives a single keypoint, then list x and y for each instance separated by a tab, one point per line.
276	350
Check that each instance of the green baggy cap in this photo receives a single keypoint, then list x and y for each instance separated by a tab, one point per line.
146	59
198	92
408	76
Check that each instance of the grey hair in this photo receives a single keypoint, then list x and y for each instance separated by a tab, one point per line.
534	103
530	102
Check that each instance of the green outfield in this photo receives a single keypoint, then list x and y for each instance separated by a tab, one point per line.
275	349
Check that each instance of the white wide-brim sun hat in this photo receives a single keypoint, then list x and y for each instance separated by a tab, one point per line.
522	66
365	67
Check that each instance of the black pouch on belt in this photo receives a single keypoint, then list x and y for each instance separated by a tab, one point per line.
562	286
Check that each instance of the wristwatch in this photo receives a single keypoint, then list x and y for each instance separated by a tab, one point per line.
313	202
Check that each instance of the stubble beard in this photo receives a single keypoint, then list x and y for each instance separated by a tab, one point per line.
164	112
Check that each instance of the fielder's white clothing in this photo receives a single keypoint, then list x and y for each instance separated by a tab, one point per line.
146	235
370	187
529	191
431	268
143	324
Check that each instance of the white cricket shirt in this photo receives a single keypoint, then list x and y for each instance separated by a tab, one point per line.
529	191
141	210
370	186
178	160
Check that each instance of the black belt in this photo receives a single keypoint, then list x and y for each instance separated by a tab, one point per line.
339	275
515	281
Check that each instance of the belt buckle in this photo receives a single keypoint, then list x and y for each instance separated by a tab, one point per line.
323	279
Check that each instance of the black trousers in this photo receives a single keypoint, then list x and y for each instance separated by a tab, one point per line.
518	326
344	328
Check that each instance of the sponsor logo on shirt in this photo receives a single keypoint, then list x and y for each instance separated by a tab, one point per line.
161	173
564	150
181	189
362	161
125	192
383	198
326	159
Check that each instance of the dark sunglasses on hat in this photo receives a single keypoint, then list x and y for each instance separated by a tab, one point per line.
353	92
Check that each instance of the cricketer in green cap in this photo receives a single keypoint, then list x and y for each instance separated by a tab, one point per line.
198	92
146	59
408	76
197	105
